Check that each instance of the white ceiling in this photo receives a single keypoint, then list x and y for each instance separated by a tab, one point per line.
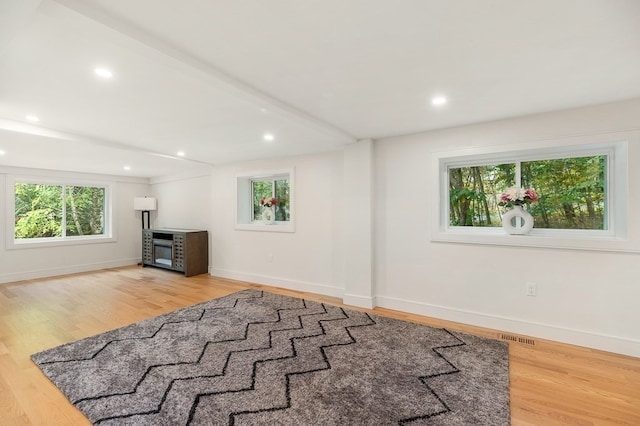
211	77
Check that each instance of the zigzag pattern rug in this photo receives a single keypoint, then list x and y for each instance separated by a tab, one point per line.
256	358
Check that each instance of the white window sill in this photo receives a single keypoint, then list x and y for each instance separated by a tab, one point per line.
538	238
57	242
257	226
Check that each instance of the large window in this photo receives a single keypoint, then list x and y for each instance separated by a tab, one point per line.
572	192
45	212
583	193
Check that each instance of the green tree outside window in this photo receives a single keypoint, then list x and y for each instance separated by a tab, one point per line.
572	192
277	188
46	211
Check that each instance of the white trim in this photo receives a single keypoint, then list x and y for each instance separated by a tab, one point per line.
12	244
366	302
52	272
65	175
620	345
189	174
275	227
614	239
324	289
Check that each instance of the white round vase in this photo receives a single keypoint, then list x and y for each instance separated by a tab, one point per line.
268	215
510	221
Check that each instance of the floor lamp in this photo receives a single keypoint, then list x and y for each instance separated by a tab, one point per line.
145	205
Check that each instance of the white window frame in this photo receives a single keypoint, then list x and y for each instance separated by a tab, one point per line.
244	201
613	238
13	243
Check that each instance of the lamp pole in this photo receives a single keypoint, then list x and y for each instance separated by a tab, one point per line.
148	220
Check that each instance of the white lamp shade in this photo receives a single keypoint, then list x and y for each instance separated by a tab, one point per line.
145	204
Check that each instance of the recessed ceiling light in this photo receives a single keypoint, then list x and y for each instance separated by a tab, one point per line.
439	100
180	153
32	118
103	72
2	152
268	137
127	167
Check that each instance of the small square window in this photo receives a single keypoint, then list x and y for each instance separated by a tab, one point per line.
259	191
271	189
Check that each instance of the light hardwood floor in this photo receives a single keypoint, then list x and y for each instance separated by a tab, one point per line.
551	383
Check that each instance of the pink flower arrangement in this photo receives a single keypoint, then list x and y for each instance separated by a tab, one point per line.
268	201
515	196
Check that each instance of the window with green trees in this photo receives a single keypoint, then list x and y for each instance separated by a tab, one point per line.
273	187
45	210
572	192
259	188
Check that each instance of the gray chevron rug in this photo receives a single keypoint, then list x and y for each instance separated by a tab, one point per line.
257	358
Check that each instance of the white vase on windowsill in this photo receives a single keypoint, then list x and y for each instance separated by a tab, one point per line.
512	215
268	215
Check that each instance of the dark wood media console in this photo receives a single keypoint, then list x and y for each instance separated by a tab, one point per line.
182	250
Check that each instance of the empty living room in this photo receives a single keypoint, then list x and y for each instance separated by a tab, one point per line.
319	213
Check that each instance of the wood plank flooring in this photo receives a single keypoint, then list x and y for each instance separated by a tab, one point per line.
551	383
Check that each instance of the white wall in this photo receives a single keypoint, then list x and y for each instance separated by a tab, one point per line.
584	297
29	263
587	298
309	259
357	213
184	201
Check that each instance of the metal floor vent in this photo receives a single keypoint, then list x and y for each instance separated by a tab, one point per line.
517	339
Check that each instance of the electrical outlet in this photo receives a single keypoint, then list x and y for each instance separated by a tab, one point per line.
531	289
270	258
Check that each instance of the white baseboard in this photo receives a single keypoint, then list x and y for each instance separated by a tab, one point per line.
327	290
65	270
583	338
367	302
